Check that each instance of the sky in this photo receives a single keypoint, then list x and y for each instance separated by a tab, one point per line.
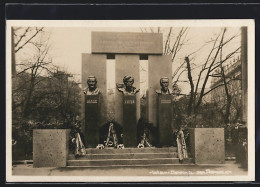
68	43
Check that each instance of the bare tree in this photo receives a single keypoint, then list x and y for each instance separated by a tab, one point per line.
174	40
62	103
41	90
207	70
21	37
229	99
37	63
230	83
24	35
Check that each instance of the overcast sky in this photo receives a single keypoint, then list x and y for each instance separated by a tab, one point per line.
69	43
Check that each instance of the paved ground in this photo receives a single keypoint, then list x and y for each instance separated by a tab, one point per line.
230	168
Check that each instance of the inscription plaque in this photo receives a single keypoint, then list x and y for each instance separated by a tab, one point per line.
129	121
165	134
127	43
92	120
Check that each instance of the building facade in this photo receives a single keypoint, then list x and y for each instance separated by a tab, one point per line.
233	75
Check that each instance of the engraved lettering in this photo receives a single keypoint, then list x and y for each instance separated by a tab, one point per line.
129	101
91	101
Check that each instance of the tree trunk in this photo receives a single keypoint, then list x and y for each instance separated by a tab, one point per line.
227	113
27	105
189	109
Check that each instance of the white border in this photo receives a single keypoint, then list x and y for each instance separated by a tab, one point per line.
135	23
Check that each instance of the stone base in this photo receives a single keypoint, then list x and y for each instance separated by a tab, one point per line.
207	145
92	115
129	121
50	147
165	132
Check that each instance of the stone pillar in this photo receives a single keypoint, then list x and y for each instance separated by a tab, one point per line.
92	120
158	67
129	121
164	112
126	65
94	64
244	63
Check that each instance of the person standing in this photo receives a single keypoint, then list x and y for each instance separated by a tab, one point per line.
181	145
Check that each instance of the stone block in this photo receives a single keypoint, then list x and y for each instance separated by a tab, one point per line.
50	147
126	43
207	145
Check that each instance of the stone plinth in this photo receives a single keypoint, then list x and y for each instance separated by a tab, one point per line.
92	113
207	145
126	65
158	67
127	43
50	147
129	121
165	134
94	64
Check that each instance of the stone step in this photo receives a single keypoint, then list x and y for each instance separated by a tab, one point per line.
131	150
126	162
185	163
125	156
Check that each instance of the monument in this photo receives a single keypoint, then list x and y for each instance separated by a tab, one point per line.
126	50
92	112
129	111
164	112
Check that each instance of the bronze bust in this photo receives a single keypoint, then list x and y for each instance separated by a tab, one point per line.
92	86
164	82
127	88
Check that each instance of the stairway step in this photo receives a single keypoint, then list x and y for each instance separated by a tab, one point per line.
125	156
131	150
132	162
186	163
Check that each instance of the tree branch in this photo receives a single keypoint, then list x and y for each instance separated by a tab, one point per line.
26	42
22	36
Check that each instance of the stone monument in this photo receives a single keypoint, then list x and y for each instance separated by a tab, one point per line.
92	112
164	113
125	49
129	111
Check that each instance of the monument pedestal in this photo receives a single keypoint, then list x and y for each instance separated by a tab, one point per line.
92	120
165	134
129	121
